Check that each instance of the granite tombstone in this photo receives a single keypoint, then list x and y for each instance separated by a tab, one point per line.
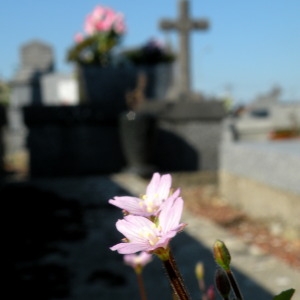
36	59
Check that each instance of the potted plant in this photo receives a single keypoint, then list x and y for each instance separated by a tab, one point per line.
103	79
154	60
138	128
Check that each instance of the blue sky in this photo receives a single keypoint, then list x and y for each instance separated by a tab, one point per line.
250	47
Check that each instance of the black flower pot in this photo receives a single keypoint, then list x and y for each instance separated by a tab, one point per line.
159	80
137	134
106	86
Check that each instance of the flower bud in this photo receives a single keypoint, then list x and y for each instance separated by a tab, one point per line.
199	270
221	255
222	283
211	293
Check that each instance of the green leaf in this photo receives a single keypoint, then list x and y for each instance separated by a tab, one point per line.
285	295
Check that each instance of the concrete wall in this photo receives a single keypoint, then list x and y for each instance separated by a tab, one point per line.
263	179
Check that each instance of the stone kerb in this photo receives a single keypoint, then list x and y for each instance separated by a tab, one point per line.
262	178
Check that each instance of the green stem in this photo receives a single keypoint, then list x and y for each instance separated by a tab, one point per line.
141	285
176	280
174	264
201	285
234	285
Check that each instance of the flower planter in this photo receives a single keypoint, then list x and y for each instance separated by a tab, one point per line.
106	86
159	79
137	135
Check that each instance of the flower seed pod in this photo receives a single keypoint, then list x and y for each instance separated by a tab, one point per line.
221	255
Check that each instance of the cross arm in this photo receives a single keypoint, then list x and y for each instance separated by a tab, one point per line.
167	25
201	24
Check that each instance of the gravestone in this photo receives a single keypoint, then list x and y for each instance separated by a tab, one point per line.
59	89
192	121
36	60
184	25
86	139
77	140
194	127
266	101
188	134
280	117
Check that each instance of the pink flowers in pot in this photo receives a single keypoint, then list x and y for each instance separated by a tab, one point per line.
103	30
104	19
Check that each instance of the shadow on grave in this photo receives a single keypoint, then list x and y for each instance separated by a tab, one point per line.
57	246
174	154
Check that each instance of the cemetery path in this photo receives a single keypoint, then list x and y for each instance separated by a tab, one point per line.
203	201
273	260
60	229
251	231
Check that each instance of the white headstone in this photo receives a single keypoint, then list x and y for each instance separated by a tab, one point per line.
59	89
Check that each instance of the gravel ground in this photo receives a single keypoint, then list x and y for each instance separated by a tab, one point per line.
204	201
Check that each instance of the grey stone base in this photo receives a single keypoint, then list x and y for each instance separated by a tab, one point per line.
275	206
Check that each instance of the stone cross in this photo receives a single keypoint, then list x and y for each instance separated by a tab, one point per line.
184	25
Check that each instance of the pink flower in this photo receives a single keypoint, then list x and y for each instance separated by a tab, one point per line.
78	37
211	295
137	260
89	25
144	235
119	24
103	19
98	13
149	204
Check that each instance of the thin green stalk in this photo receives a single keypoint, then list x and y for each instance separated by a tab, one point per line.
234	285
141	285
176	280
175	267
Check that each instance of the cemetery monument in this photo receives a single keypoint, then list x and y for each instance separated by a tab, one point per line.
37	59
77	136
184	25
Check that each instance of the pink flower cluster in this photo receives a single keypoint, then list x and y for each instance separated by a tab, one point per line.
152	220
102	19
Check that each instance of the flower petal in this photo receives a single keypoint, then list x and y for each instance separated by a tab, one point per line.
163	189
129	248
130	204
170	214
152	186
131	227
